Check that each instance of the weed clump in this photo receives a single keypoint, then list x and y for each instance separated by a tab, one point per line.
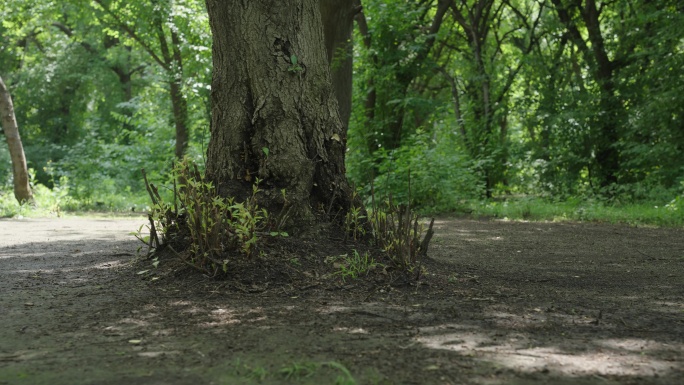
211	233
399	233
202	228
394	229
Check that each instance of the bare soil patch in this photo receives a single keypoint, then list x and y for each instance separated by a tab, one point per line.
502	303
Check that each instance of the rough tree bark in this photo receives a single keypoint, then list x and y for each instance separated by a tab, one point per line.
274	112
22	190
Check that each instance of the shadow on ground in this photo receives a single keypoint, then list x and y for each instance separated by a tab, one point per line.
503	303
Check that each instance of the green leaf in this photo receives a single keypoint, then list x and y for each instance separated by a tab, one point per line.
266	151
293	59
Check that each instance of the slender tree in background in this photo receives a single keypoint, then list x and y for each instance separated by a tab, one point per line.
275	116
22	190
167	55
603	70
399	53
488	34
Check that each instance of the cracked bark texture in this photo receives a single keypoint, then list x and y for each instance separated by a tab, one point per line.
274	112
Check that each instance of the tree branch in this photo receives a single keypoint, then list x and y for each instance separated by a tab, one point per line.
134	36
70	34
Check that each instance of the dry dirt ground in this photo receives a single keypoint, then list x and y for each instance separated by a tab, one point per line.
501	303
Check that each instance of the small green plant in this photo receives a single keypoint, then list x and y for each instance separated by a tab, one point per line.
258	373
345	378
397	231
355	265
209	225
354	220
294	372
295	67
299	370
676	204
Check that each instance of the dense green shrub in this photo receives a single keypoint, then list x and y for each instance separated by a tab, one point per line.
440	177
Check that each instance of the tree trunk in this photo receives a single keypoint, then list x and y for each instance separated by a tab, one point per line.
173	65
180	117
338	22
603	71
22	190
180	105
607	155
274	113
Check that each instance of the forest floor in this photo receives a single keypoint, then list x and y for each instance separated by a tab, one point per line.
501	303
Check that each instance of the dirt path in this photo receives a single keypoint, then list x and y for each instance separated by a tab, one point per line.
507	303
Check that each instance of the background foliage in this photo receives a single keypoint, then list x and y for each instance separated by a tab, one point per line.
92	105
568	104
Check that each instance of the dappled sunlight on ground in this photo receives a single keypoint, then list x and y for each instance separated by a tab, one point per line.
350	330
135	322
673	307
618	357
501	303
113	264
222	317
333	309
469	235
538	316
